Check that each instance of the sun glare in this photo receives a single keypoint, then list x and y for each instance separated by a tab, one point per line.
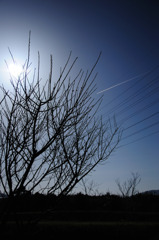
15	70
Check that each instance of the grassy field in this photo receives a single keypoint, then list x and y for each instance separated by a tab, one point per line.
108	230
75	230
80	217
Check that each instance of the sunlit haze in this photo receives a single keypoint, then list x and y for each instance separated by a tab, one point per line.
127	33
15	70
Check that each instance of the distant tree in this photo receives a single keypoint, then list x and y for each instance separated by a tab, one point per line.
90	188
51	135
129	187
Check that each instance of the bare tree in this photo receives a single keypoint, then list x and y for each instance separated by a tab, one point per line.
128	188
51	135
90	188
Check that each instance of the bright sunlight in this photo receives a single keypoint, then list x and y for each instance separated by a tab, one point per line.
15	70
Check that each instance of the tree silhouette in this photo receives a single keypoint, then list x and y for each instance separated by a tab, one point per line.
51	135
129	187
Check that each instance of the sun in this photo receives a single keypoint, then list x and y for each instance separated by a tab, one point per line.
15	70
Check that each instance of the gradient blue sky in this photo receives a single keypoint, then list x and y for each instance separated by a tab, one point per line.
127	33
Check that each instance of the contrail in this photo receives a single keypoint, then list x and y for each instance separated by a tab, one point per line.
116	85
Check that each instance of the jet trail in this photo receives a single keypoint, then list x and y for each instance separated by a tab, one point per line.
116	85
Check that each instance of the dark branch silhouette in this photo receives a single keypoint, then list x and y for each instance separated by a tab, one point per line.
129	187
51	136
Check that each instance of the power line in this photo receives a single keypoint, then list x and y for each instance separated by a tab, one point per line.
146	96
141	130
132	96
133	125
123	92
139	139
146	88
140	111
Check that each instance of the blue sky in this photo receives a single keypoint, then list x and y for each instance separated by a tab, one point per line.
127	33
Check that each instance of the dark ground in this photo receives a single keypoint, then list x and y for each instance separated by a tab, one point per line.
80	216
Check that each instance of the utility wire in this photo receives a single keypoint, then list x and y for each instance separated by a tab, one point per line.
149	89
132	96
140	79
133	125
146	96
141	130
139	139
139	111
